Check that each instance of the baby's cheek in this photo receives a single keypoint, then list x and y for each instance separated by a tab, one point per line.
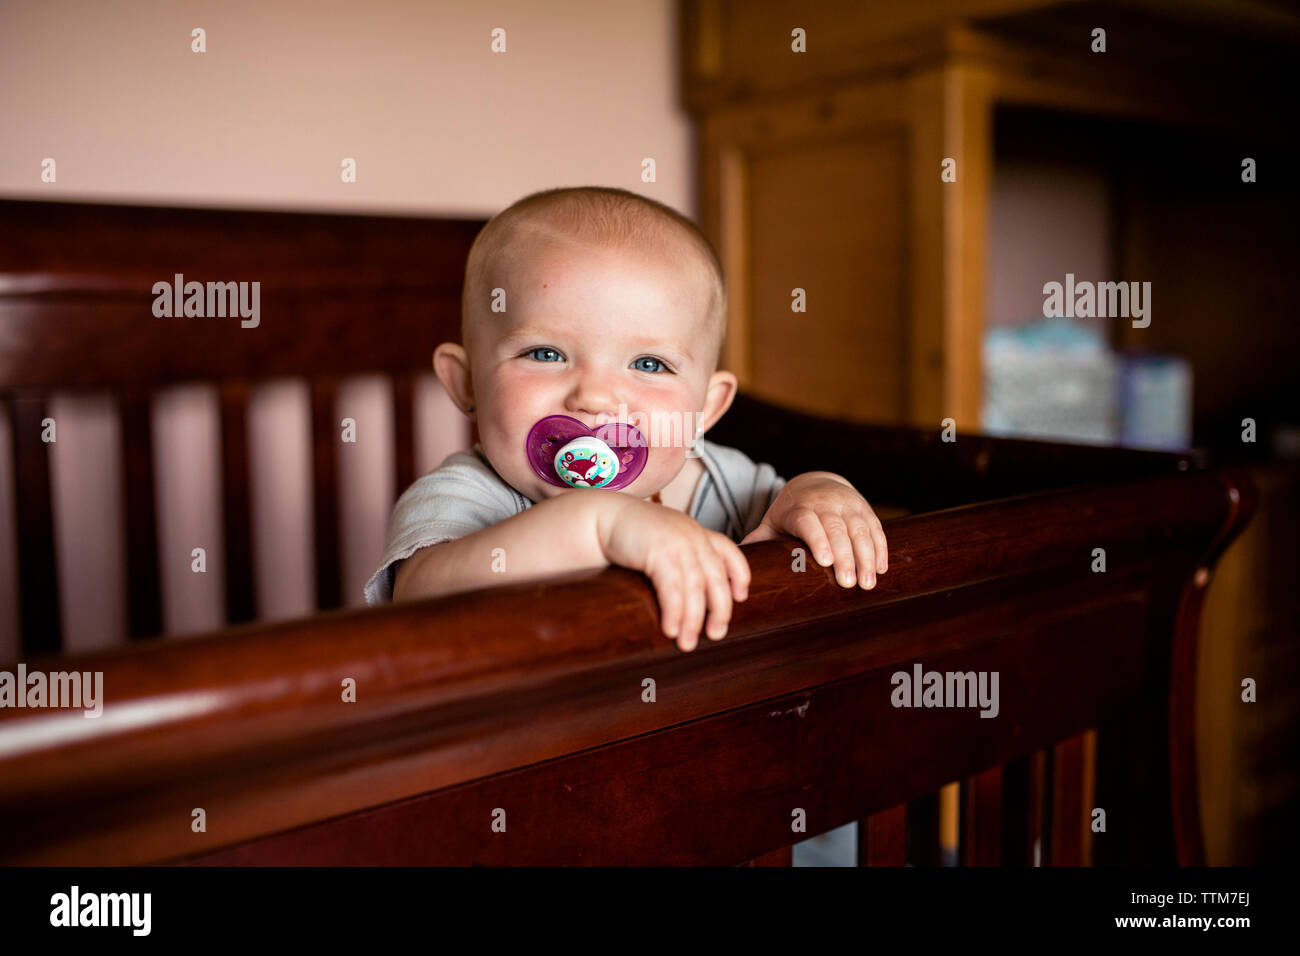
666	463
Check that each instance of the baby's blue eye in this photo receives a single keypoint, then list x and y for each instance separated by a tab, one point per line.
641	368
548	352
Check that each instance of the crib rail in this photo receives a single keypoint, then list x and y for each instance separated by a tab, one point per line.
515	725
924	469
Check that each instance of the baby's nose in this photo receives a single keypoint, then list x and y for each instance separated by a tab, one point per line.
594	397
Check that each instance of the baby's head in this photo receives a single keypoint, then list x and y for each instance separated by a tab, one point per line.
598	304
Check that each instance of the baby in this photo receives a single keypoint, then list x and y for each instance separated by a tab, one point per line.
604	306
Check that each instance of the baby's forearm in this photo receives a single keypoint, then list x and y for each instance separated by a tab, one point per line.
553	536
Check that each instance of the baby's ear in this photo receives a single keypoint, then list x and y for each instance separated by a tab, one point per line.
451	365
721	393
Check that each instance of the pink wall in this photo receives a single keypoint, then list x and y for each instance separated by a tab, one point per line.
438	125
436	121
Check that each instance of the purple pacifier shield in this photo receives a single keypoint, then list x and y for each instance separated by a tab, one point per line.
553	432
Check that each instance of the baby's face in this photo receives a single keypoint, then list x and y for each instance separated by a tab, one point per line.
600	335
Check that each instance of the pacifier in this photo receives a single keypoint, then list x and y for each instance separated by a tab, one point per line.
566	453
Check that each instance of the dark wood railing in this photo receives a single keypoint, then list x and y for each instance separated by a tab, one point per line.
528	704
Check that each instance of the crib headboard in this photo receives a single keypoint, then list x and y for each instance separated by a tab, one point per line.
339	295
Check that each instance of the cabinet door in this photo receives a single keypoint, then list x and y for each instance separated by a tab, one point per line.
855	271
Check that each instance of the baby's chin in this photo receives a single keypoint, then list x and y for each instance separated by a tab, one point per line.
540	491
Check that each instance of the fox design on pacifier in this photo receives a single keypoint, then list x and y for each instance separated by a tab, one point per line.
590	472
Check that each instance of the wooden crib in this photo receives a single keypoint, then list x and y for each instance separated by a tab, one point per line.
552	723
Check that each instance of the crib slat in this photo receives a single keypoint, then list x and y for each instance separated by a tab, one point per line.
950	823
923	831
404	430
38	578
236	513
1017	843
1022	809
981	819
144	604
882	838
324	442
1069	816
1083	764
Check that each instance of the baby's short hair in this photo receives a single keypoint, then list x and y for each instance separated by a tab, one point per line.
598	215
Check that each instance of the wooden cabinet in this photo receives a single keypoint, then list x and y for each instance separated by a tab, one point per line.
822	171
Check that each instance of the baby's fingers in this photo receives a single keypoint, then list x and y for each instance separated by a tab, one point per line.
842	547
668	584
715	574
736	566
830	527
877	538
805	524
828	536
694	583
863	552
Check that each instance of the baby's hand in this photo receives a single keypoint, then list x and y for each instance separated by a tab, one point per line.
690	566
836	522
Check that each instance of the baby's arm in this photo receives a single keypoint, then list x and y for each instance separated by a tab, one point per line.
553	536
696	573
